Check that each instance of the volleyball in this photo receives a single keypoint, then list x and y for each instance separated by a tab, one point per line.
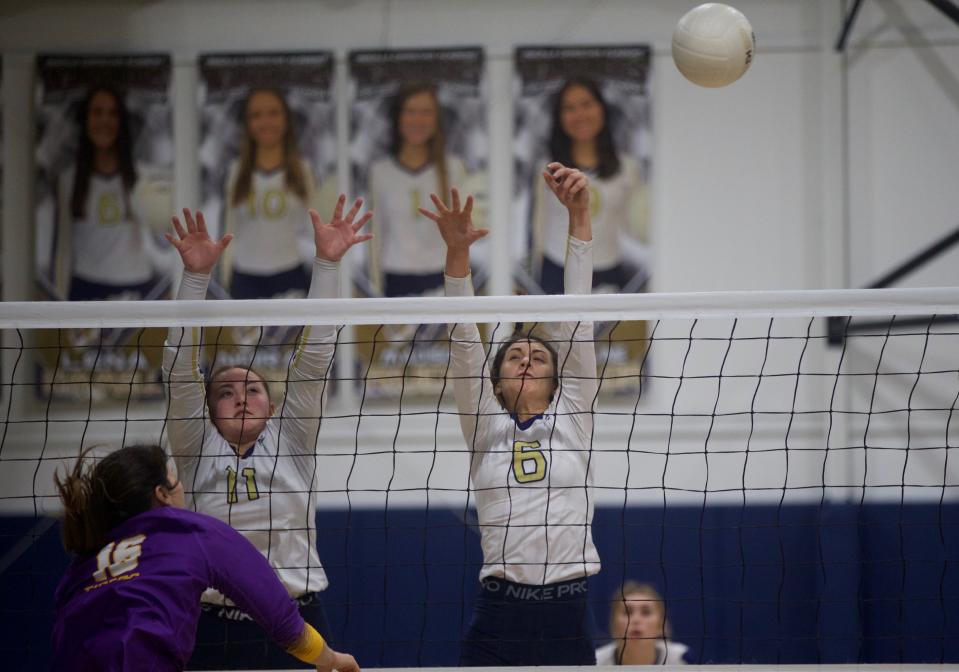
713	45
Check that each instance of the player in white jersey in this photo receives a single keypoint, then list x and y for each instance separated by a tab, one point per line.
270	188
240	458
581	136
407	258
640	630
529	428
103	248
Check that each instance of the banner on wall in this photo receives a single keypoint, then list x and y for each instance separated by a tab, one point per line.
417	127
1	170
587	107
267	155
104	156
1	187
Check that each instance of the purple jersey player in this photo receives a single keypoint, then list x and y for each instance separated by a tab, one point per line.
131	598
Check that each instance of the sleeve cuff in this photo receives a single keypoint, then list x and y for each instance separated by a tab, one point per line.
193	285
579	246
326	264
459	286
309	646
325	281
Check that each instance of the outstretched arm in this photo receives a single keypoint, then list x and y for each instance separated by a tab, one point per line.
312	360
238	570
187	394
471	385
574	341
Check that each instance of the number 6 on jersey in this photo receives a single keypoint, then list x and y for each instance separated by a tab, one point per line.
529	463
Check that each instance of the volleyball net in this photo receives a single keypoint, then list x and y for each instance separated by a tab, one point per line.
793	500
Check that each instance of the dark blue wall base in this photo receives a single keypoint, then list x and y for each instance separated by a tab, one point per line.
761	584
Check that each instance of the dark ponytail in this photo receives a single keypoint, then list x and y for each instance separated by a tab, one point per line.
118	487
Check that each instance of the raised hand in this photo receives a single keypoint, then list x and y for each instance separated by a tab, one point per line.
198	251
570	185
334	239
455	223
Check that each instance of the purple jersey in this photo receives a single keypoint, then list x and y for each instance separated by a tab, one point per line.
136	602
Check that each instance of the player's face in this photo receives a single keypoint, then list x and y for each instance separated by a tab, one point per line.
103	120
526	376
240	405
266	119
640	616
581	114
419	119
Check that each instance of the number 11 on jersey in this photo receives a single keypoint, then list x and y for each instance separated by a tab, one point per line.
249	475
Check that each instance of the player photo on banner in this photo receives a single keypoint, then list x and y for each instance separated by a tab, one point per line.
104	155
267	156
587	107
418	127
2	242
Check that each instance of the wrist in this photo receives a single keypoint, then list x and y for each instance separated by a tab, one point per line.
457	262
330	259
579	225
326	263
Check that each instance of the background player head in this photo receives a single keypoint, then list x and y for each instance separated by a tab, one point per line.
581	134
637	619
125	483
105	144
416	131
269	143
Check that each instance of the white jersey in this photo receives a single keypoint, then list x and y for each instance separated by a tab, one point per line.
614	210
268	495
533	484
406	241
108	245
667	653
272	226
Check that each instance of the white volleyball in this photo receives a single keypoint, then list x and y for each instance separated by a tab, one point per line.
713	44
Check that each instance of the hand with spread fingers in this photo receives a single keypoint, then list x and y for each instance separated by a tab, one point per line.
456	227
197	249
456	222
334	239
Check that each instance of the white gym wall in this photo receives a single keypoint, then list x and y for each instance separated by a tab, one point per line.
816	170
